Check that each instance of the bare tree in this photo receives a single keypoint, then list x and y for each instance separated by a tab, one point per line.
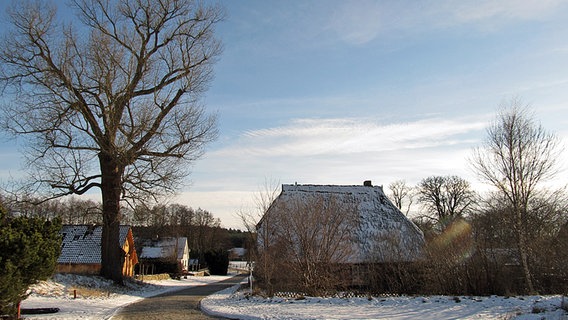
205	228
496	240
402	195
262	201
515	157
79	211
446	197
263	254
312	234
111	101
71	210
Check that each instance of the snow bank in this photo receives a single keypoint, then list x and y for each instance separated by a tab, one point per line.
238	305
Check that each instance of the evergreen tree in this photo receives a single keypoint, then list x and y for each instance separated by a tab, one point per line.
217	261
29	248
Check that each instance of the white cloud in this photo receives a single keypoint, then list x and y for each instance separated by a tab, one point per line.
334	137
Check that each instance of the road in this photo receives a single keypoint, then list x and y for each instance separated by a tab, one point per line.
182	304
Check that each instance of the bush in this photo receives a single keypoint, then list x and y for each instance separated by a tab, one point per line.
217	261
29	248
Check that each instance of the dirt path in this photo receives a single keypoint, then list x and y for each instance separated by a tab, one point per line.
182	304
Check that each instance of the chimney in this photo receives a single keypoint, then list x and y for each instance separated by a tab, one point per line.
367	183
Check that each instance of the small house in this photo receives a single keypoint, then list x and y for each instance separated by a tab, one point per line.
81	250
165	255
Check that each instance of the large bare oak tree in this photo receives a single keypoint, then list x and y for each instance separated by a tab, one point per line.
110	100
517	155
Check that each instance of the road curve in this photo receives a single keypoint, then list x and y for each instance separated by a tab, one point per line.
182	304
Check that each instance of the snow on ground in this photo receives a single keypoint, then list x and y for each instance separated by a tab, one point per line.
237	305
98	298
105	299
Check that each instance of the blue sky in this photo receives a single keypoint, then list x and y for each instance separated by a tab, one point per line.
337	92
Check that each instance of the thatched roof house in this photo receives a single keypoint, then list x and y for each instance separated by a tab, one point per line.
380	232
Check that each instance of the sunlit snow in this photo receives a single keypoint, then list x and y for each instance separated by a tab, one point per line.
235	304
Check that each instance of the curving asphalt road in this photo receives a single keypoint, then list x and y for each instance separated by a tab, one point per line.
182	304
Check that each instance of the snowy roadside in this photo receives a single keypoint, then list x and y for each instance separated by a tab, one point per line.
98	298
236	305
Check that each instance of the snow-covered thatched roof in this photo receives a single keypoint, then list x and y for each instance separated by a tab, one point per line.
382	232
81	244
164	248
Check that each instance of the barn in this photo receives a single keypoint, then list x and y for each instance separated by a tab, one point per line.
319	237
378	232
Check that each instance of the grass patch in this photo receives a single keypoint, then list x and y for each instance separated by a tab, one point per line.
147	277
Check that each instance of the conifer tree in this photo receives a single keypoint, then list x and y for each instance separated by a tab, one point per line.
29	248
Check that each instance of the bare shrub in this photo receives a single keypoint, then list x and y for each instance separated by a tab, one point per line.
387	272
445	268
306	240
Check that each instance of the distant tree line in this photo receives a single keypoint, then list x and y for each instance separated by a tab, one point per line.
70	210
208	241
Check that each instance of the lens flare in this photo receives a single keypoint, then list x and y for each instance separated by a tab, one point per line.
456	241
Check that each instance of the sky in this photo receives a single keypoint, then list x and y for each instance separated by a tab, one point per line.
338	92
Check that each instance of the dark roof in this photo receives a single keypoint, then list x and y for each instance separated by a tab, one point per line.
82	243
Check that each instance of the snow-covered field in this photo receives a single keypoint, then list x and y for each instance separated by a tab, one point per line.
106	300
228	303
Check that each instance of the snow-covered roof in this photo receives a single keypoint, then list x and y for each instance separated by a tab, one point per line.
239	251
164	248
380	222
151	252
82	243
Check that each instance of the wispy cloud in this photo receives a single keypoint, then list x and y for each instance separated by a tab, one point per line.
359	22
468	11
317	137
333	151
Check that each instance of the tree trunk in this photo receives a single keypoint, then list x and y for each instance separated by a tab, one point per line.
522	243
111	252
